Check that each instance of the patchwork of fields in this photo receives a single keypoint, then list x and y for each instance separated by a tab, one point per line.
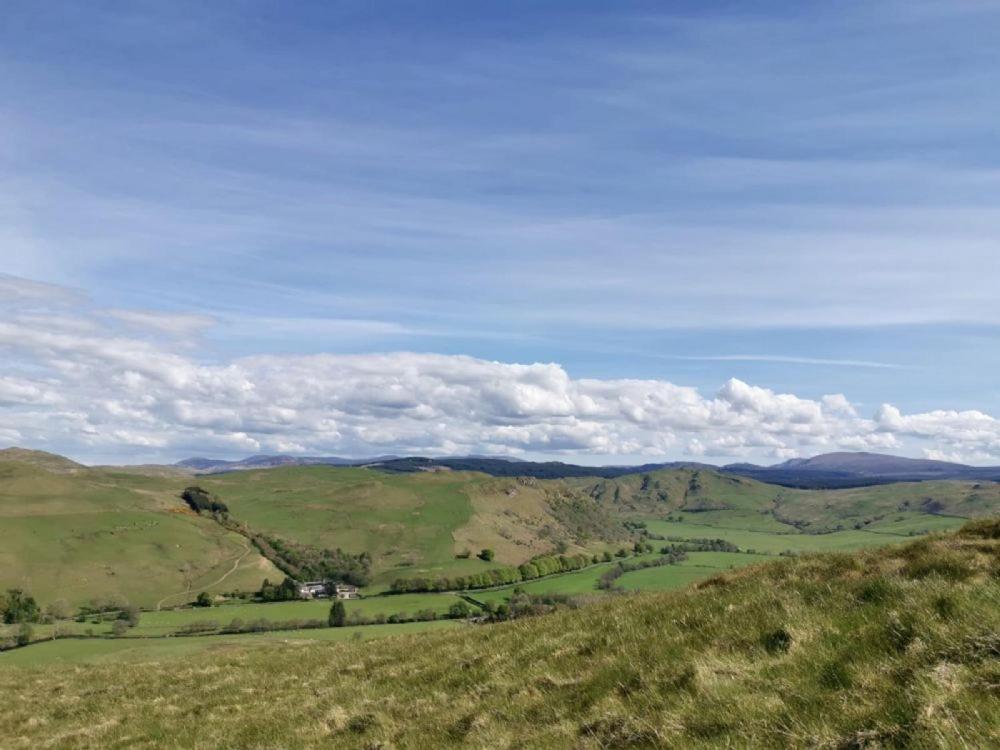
77	534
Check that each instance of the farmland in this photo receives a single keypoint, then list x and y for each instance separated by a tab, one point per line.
103	535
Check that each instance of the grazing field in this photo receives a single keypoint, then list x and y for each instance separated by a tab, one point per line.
697	567
776	543
881	648
167	621
114	650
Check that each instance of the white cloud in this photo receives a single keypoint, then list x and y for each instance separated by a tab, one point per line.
73	379
90	390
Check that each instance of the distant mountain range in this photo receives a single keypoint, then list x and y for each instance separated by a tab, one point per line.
826	470
858	469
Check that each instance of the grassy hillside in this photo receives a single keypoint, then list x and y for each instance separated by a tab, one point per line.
79	534
709	498
412	524
69	532
897	647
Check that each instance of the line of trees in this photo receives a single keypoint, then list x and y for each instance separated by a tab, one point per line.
704	545
305	563
671	556
537	567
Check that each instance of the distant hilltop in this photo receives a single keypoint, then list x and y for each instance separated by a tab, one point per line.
842	469
827	470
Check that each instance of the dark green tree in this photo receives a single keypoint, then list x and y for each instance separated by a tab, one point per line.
19	607
338	614
486	554
203	600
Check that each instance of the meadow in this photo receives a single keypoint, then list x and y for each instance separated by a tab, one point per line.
132	649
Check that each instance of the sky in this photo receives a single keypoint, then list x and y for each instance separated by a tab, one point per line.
599	232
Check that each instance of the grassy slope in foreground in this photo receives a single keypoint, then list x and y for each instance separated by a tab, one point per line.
891	648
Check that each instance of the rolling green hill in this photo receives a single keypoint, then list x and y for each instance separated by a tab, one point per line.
77	533
710	498
891	648
83	534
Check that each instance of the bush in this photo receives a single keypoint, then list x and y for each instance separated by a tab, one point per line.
203	600
24	634
486	554
777	641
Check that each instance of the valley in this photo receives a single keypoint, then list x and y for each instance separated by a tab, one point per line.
82	539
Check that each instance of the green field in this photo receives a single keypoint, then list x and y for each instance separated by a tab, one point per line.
167	621
697	567
114	650
792	542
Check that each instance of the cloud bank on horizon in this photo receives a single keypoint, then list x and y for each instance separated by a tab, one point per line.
106	382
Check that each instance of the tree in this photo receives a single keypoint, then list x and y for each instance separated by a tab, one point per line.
60	609
203	600
19	607
130	615
118	628
24	634
459	610
486	554
338	614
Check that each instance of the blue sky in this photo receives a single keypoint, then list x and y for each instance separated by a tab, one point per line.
803	198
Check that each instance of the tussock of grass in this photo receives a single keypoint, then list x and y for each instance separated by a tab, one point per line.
891	648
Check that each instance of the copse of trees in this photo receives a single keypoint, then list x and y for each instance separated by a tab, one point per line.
202	501
17	606
537	567
285	591
306	563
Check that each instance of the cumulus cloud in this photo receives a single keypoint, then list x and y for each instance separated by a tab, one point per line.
93	388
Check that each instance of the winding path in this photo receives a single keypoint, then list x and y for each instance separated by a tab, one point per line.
236	564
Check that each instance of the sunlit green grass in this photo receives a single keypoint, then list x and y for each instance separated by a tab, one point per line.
116	650
891	648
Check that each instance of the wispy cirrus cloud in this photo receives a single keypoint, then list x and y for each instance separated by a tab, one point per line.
788	360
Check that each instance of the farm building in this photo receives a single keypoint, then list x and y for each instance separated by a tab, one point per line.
313	589
323	589
345	591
